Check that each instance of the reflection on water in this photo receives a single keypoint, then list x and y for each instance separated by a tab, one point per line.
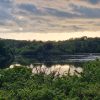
5	62
14	65
56	69
57	59
59	65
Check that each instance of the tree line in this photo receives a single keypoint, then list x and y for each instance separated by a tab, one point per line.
40	48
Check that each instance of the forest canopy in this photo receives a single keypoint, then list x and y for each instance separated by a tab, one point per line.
40	48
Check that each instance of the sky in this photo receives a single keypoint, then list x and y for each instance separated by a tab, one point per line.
49	19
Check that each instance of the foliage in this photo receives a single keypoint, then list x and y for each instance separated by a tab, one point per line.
5	55
45	49
20	84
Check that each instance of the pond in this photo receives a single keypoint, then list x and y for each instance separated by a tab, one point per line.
66	64
73	60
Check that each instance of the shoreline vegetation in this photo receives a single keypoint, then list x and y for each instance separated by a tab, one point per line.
83	45
20	84
47	51
51	51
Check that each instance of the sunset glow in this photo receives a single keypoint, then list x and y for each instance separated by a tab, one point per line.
49	20
48	36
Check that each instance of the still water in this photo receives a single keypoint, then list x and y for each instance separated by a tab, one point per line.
67	64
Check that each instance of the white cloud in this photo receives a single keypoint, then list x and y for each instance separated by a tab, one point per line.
49	15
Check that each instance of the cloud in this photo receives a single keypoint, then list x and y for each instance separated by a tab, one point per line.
94	1
29	8
86	12
49	16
